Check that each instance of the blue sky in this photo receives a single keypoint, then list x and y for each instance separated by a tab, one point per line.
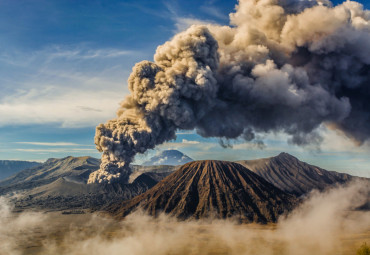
64	66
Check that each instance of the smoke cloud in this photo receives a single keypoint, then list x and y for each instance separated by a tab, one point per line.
324	224
281	66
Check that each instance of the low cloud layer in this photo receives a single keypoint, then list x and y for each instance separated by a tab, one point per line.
16	228
324	224
282	66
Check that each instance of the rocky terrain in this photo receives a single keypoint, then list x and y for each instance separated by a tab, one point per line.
11	167
75	168
294	176
212	188
60	184
168	157
66	195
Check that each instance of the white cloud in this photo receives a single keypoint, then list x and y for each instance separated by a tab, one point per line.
56	150
88	54
40	150
50	144
193	145
189	142
66	107
50	54
30	160
74	87
192	132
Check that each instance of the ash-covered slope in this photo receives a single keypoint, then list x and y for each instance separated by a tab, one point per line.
168	157
11	167
64	194
212	188
77	168
60	184
294	176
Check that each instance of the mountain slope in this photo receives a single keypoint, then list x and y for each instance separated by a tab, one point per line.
63	194
11	167
74	167
60	184
203	188
294	176
168	157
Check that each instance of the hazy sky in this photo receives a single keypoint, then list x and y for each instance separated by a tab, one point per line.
64	66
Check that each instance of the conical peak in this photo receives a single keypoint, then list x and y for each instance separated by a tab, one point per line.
201	188
285	156
211	164
211	167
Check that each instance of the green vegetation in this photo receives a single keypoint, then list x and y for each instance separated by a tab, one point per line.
363	250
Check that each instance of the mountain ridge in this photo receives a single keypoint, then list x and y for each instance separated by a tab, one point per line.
289	174
61	183
55	168
11	167
294	176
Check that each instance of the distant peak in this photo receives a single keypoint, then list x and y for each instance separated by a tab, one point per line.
171	152
285	155
168	157
69	159
49	160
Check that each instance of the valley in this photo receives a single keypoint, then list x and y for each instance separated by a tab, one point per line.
201	207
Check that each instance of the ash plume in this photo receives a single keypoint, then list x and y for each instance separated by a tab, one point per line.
281	66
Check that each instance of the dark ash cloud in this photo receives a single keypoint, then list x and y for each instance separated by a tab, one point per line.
279	67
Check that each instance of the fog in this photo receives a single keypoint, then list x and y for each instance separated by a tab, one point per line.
16	227
325	223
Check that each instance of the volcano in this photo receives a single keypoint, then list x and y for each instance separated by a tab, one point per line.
211	188
168	157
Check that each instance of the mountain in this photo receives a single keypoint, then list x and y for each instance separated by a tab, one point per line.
212	188
77	168
59	184
294	176
168	157
10	167
64	194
